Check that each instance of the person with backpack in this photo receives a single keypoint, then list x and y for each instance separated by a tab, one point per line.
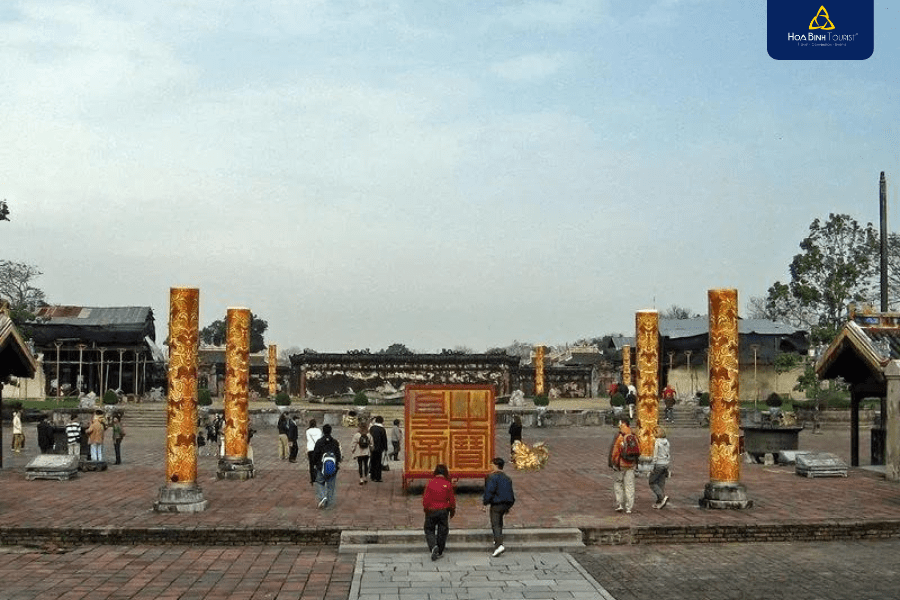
660	472
623	456
362	441
326	456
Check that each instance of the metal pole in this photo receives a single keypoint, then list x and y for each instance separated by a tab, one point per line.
58	381
882	199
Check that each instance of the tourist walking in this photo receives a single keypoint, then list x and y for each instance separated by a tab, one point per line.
660	472
73	435
313	434
379	447
118	432
622	460
18	439
96	432
396	439
439	505
362	444
283	442
45	435
631	400
499	496
669	401
293	434
327	457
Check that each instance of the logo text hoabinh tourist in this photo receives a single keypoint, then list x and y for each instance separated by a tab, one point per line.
842	30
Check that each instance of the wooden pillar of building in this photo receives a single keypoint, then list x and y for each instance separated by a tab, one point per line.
647	334
236	464
891	422
181	492
273	364
538	370
724	489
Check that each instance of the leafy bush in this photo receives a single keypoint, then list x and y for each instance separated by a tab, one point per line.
774	400
703	399
282	399
541	400
110	398
360	399
617	400
204	397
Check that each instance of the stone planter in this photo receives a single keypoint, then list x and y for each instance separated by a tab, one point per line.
759	441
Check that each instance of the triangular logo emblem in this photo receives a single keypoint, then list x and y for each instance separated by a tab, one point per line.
821	20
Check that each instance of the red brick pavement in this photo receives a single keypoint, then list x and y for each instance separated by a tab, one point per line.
575	489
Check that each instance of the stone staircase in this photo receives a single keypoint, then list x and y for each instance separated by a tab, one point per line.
144	415
682	416
477	540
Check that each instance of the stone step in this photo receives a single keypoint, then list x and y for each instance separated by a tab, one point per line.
514	539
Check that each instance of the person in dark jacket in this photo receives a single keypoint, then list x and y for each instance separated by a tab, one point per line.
326	485
515	435
45	435
293	434
379	447
439	504
498	494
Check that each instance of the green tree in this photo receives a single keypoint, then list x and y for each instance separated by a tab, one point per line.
835	268
216	332
18	290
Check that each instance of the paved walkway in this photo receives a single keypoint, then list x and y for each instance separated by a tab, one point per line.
573	490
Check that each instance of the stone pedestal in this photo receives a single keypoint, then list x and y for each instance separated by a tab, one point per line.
52	466
235	468
725	495
180	497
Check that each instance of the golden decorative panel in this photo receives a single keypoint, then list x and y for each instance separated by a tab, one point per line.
181	424
273	363
538	370
647	337
453	425
724	421
237	382
626	364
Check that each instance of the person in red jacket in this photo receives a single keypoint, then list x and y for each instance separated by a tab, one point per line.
439	504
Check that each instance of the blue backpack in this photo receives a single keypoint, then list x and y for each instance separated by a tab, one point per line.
329	465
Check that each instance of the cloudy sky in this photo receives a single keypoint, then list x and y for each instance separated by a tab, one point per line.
442	173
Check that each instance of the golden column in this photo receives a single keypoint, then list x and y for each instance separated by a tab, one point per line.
236	464
647	332
181	492
538	370
724	489
273	362
626	364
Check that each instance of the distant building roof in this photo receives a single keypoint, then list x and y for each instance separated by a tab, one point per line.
681	328
122	325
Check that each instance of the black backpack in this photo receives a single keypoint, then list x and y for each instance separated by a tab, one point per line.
363	442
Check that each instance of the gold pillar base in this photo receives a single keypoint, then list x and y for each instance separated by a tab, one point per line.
180	497
237	468
725	495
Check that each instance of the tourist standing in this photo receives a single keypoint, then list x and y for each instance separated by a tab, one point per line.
73	435
283	442
622	460
379	447
631	400
293	433
439	505
118	432
96	432
327	457
45	435
362	444
396	439
669	400
18	439
660	472
515	435
313	434
499	496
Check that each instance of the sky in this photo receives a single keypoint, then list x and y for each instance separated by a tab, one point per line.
440	174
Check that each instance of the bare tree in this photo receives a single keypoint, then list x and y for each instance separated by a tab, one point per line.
678	312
